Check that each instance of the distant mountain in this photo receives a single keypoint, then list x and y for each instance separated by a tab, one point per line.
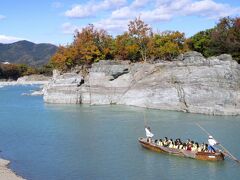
25	52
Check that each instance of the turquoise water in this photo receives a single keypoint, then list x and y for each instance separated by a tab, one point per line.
71	142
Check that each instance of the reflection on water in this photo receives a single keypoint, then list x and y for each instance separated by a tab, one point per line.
46	141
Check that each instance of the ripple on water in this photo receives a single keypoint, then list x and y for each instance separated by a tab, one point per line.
46	141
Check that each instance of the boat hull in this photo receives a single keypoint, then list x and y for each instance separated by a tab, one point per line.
206	156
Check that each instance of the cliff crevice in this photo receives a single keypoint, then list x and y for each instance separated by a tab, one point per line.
190	83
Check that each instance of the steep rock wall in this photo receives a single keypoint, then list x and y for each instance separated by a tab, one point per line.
190	83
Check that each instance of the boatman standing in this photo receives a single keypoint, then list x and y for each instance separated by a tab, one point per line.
149	134
211	143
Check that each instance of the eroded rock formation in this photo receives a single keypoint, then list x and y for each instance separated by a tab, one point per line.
190	83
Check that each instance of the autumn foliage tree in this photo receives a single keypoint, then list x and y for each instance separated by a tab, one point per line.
64	58
89	45
140	34
139	43
86	44
226	37
126	48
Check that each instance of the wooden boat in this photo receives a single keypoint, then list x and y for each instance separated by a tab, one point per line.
206	156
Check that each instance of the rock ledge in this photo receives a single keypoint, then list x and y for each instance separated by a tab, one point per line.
190	83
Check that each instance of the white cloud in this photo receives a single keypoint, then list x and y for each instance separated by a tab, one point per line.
123	13
113	26
9	39
79	11
155	15
139	3
118	13
210	9
91	8
2	17
68	28
153	9
204	8
164	10
205	5
177	5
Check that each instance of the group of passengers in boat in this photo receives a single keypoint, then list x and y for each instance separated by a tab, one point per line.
178	144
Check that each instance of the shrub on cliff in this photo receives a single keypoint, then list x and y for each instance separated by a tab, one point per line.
201	42
126	48
89	45
64	58
223	38
92	45
167	45
139	43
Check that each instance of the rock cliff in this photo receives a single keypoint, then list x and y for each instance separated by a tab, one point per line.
189	83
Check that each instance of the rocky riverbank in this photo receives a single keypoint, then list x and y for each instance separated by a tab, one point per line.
5	173
26	80
190	83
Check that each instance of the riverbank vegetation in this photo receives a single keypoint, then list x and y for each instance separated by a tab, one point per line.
14	71
140	43
223	38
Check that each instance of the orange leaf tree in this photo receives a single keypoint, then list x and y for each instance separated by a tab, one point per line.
92	45
140	33
89	45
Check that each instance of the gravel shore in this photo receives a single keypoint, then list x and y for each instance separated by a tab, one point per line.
6	173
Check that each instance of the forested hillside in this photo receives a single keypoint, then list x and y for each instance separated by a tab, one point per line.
25	52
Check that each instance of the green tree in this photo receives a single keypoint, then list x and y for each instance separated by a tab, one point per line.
223	38
46	69
201	42
167	45
9	71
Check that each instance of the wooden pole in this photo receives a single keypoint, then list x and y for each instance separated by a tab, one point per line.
90	93
145	122
225	149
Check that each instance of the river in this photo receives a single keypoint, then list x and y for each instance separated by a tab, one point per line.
72	142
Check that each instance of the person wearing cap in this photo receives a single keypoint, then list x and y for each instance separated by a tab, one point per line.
149	134
211	142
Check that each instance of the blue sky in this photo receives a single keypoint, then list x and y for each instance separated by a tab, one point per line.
55	21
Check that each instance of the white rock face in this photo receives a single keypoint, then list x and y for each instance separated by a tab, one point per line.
33	78
190	83
27	80
63	88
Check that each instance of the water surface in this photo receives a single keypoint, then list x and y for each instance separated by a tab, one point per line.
47	142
